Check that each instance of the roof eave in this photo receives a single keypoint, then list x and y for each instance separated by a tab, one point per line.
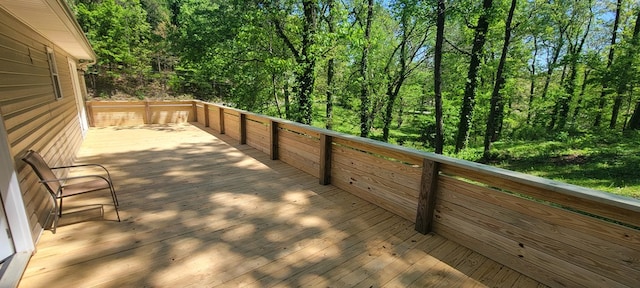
53	20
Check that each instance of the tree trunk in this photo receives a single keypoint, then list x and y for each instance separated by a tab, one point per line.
437	75
634	122
583	89
552	64
623	84
615	110
275	94
496	106
563	104
364	89
330	68
394	85
605	80
287	100
468	102
305	59
308	62
532	87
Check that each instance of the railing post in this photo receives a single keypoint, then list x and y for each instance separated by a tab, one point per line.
274	140
195	111
90	112
221	122
206	115
325	159
243	129
427	198
147	113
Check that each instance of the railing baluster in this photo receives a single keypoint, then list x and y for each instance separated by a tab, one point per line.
325	159
427	197
221	123
195	111
274	140
243	128
206	114
147	113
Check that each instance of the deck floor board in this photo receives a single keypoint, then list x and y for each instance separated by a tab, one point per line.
200	210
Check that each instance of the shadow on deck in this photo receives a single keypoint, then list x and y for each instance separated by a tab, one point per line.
201	211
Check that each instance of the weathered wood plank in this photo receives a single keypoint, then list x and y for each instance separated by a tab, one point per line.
557	270
393	171
258	136
427	198
360	185
390	153
325	159
549	229
580	203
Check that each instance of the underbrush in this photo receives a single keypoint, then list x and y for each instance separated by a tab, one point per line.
604	161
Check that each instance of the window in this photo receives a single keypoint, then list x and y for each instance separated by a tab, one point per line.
55	78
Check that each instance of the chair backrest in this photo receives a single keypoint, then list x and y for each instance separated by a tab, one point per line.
43	170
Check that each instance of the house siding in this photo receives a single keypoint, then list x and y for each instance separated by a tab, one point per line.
34	119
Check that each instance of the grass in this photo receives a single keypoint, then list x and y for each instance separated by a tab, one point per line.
608	162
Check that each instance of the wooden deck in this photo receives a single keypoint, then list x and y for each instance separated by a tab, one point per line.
200	210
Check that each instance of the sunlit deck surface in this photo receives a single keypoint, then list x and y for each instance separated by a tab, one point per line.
200	210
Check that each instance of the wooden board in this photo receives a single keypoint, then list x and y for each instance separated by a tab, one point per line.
366	188
537	245
405	177
214	118
232	124
580	203
393	154
258	134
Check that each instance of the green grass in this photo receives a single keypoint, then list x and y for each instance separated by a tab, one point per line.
609	162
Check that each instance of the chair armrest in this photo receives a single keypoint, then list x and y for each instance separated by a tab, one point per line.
75	177
84	165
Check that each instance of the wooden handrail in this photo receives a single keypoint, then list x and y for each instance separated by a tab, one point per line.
546	229
517	177
556	186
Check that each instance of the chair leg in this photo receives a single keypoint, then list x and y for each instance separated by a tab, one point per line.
115	200
54	223
113	194
60	208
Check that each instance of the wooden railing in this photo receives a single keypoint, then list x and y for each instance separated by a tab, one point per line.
556	233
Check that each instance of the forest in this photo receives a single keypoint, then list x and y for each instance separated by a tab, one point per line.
544	87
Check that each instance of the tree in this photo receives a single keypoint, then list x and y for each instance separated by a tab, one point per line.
605	80
405	57
632	52
576	44
330	65
497	106
305	58
553	41
119	33
365	124
437	75
466	111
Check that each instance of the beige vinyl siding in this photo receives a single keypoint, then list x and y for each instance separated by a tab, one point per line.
33	117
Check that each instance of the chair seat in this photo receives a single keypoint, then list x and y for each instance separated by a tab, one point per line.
84	187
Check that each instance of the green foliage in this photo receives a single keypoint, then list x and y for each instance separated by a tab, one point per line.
249	54
604	161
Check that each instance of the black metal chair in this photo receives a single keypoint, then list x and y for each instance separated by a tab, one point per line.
58	187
